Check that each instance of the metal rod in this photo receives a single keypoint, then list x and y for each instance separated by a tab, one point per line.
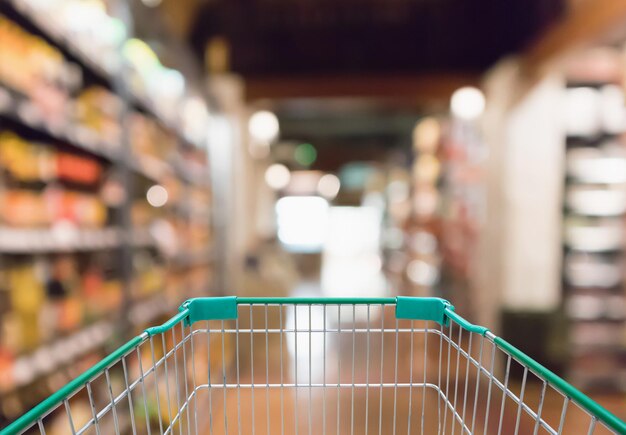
282	404
193	379
542	397
185	377
176	376
353	358
456	377
130	396
408	424
167	380
506	386
521	400
267	374
324	372
310	378
563	413
382	363
395	381
238	380
424	380
338	366
295	322
467	366
252	366
367	371
445	410
491	370
69	416
209	382
92	405
116	422
224	378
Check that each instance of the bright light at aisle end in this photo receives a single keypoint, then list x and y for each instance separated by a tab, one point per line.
467	103
277	176
263	126
157	196
328	186
151	3
302	222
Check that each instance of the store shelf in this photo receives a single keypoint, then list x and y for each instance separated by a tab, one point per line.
595	238
20	111
189	173
590	165
83	122
192	259
149	167
58	37
596	201
66	239
93	63
188	208
598	309
61	352
26	114
145	311
593	271
64	351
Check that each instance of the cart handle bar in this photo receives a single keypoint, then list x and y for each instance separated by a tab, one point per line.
225	308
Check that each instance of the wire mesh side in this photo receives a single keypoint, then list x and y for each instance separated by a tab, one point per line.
355	368
321	369
147	390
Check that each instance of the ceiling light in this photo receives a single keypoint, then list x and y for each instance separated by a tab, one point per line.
263	126
328	186
467	103
277	176
157	196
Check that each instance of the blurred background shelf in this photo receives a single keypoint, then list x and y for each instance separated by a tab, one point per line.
22	241
105	192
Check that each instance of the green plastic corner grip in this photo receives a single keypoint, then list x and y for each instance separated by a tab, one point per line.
218	308
414	308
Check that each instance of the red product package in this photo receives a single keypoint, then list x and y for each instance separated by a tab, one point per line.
79	169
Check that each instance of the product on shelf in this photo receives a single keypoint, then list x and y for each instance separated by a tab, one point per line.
27	61
25	208
78	169
148	138
150	276
27	297
28	162
99	111
25	161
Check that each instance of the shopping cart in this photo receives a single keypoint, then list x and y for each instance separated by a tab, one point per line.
306	365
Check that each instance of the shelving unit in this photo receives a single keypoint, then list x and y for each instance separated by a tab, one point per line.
594	233
93	260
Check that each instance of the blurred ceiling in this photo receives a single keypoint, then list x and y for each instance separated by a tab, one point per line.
310	48
292	37
305	59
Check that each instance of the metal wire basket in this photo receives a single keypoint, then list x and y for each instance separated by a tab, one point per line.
316	366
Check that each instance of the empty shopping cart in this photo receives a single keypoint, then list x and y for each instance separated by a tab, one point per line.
317	366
